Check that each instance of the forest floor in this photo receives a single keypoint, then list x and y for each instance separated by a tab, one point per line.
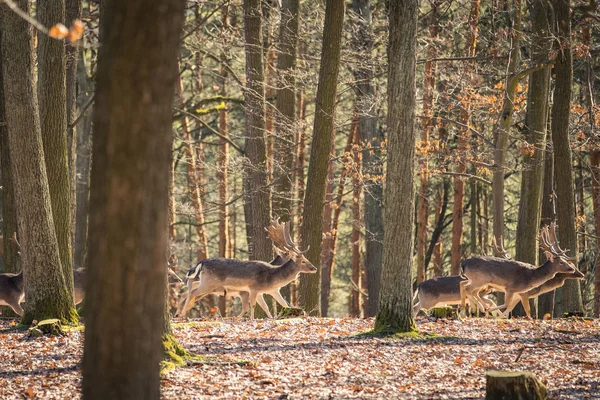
322	358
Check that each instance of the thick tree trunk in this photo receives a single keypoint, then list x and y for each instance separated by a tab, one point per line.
84	162
536	122
504	123
286	110
52	93
45	285
371	137
568	297
463	136
129	198
10	258
395	300
256	194
312	215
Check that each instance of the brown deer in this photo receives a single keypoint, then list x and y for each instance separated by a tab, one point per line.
514	277
254	277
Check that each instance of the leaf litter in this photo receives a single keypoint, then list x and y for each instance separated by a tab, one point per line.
322	358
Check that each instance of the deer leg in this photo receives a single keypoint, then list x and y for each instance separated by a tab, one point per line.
16	307
463	293
252	304
261	302
416	309
245	296
279	298
526	306
510	302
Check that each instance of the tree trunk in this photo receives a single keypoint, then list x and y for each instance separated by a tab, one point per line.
129	198
84	162
47	292
286	110
52	93
355	236
223	158
536	121
312	215
546	300
72	13
463	136
256	194
10	258
327	234
568	297
502	385
504	124
372	138
395	300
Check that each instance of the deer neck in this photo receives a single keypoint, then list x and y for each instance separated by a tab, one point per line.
543	273
286	273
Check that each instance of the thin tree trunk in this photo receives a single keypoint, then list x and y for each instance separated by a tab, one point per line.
45	285
84	162
546	300
223	157
595	166
286	109
395	300
568	297
129	198
72	13
371	137
536	122
504	124
327	241
463	136
429	81
312	216
355	236
52	91
256	194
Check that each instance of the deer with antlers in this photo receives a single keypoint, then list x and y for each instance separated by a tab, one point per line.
514	277
548	286
254	277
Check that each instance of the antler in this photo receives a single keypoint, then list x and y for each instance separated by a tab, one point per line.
499	251
554	241
280	235
549	242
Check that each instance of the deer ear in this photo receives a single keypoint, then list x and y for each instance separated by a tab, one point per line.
549	256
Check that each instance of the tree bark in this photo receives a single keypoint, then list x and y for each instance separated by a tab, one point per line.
257	194
129	198
372	138
395	300
595	166
355	236
463	136
327	235
286	110
48	295
312	216
546	300
223	158
568	297
52	91
10	258
502	385
83	165
504	123
536	122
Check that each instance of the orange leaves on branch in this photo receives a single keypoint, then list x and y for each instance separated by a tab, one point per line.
527	149
74	33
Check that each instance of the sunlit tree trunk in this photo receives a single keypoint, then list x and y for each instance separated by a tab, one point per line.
546	300
370	137
125	318
395	300
568	297
47	293
327	241
223	157
312	216
463	136
355	236
52	91
536	121
256	194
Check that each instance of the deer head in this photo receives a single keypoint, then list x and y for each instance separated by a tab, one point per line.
555	255
285	247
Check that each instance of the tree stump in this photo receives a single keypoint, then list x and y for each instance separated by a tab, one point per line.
444	312
291	312
517	385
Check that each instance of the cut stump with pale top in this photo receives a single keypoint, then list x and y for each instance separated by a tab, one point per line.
514	385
